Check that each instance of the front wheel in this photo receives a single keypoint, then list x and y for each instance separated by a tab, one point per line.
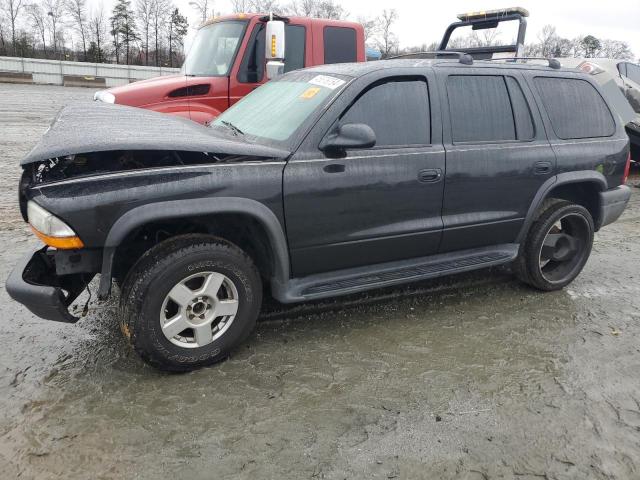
557	247
189	301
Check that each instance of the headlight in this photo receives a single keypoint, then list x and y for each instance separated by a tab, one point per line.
104	96
50	229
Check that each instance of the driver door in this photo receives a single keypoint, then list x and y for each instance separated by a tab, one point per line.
372	205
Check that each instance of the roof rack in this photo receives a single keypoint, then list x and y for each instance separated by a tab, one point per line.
463	58
552	62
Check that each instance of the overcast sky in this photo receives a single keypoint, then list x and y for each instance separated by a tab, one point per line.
424	21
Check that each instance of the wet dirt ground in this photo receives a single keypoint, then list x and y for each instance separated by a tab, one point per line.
472	377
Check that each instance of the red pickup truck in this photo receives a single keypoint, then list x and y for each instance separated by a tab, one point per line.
229	58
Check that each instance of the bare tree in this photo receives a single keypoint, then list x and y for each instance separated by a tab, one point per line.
240	6
144	10
55	17
266	6
318	9
204	7
98	25
12	8
370	26
615	49
3	44
159	13
38	20
387	41
77	9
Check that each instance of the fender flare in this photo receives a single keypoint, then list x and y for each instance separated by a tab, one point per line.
581	176
143	214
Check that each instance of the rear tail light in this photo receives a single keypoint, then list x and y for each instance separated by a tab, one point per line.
627	169
590	68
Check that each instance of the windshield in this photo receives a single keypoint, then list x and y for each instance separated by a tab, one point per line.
276	110
214	49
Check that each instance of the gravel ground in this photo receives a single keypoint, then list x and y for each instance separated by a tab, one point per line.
471	377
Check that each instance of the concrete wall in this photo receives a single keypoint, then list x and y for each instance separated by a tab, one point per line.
55	72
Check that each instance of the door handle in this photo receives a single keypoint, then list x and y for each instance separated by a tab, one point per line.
542	168
430	175
334	168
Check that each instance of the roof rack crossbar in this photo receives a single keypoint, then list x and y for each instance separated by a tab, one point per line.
552	62
463	58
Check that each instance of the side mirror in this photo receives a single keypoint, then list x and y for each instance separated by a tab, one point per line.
350	135
274	48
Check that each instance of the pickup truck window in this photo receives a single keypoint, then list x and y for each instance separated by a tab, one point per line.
575	108
481	109
273	112
633	72
339	45
214	49
397	111
253	61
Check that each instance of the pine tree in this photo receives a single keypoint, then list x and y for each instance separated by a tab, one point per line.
178	27
123	29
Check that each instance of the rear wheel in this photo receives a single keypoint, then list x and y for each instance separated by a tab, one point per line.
189	301
557	247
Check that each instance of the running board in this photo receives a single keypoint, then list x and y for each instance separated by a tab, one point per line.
353	280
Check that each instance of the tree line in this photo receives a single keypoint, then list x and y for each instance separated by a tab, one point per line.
147	32
152	32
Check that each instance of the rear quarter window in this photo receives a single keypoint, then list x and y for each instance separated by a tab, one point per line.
575	108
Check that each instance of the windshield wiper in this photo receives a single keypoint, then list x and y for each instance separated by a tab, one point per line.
232	127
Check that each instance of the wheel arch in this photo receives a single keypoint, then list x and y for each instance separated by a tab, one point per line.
581	187
223	208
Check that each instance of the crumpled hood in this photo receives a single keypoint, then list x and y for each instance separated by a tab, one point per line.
98	127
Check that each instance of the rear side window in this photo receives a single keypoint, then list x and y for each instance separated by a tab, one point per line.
487	108
396	110
575	108
339	45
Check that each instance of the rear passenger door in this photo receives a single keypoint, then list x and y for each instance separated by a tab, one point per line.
372	205
498	156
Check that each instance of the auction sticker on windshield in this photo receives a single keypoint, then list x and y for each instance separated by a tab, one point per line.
326	81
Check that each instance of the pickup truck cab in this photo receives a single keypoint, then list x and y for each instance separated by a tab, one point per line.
227	61
323	182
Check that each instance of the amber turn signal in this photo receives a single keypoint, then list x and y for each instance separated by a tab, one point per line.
62	243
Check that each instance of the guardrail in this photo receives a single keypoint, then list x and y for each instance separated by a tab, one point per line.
56	72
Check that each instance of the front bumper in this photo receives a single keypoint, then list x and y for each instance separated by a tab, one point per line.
612	204
35	284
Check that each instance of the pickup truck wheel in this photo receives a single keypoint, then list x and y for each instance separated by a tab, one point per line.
189	301
557	247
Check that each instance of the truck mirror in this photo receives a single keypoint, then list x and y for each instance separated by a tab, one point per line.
274	47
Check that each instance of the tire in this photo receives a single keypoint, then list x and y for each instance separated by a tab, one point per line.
557	246
191	281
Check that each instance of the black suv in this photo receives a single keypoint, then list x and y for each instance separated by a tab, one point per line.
324	182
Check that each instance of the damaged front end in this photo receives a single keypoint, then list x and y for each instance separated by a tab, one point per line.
36	283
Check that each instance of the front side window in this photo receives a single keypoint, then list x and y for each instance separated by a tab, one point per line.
396	110
488	108
214	49
339	45
275	111
575	108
